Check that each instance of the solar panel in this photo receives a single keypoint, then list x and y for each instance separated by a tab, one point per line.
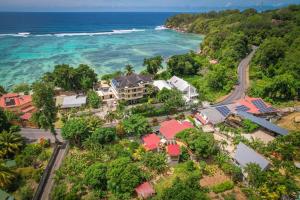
223	110
265	110
242	108
259	104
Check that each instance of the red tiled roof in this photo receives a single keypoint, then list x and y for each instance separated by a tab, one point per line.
200	118
170	128
26	116
173	149
145	190
247	101
18	99
151	141
28	109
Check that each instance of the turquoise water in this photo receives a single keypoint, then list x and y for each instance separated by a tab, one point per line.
24	58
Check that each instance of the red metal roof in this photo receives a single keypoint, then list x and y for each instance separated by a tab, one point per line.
145	190
247	101
173	149
151	141
18	99
170	128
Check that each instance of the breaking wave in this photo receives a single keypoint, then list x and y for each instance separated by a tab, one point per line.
26	34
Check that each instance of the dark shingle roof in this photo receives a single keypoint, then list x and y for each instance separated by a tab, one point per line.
264	123
245	155
131	80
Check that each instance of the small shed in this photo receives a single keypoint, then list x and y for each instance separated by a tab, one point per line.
173	151
145	190
245	155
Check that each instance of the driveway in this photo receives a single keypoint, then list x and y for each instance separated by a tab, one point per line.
34	134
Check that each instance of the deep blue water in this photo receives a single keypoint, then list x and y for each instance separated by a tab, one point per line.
43	23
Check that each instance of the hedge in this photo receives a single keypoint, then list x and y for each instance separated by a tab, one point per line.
227	185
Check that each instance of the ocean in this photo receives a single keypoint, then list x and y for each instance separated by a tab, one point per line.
33	43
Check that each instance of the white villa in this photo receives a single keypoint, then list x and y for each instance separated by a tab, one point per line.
189	92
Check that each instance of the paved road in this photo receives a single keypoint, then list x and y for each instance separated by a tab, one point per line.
34	134
240	90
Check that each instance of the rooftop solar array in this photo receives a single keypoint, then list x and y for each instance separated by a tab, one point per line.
262	122
261	106
242	108
223	110
266	110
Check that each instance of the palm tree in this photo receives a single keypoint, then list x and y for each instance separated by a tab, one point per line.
10	144
6	176
129	69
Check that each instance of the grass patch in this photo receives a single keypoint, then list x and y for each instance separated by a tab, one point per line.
222	187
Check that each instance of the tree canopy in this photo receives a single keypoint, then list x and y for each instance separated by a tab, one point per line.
81	78
202	144
43	100
136	125
123	176
153	64
93	99
229	35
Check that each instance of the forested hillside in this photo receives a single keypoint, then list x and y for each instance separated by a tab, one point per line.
229	35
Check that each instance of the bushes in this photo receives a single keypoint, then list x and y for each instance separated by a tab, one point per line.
29	155
93	100
227	185
229	168
26	192
249	126
202	144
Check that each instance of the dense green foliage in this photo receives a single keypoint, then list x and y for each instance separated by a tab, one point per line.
225	163
44	101
186	64
6	176
95	176
129	69
227	185
153	65
108	77
249	126
202	144
22	87
10	144
2	90
172	99
68	78
75	130
136	125
124	176
4	123
155	161
102	136
228	38
185	184
93	99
